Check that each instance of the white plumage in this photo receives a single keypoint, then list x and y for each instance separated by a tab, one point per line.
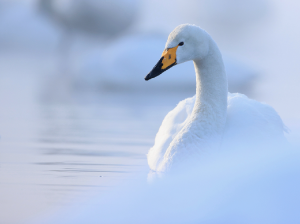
213	119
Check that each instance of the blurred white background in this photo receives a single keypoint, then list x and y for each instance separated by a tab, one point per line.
86	59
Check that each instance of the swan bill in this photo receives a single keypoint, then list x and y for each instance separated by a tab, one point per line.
167	61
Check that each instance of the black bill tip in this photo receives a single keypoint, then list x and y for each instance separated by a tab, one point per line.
157	70
147	77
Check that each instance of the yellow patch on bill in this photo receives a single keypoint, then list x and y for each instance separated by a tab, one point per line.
169	57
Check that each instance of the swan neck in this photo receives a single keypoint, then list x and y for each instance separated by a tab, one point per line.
211	89
211	79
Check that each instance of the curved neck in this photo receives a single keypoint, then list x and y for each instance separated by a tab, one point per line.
204	129
210	108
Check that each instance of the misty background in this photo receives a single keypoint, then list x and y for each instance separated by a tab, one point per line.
74	103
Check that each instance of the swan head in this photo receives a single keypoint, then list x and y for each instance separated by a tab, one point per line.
185	43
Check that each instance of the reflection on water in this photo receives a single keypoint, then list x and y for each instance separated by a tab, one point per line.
53	151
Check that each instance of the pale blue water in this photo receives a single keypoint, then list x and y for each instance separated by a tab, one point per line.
53	150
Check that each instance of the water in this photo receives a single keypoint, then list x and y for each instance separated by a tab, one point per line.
53	150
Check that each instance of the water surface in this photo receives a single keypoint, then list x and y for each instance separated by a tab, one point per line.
54	149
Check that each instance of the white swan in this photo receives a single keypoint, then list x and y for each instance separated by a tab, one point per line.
212	119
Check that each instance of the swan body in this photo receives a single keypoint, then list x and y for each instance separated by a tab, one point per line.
213	119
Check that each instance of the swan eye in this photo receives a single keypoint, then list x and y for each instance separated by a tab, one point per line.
180	44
